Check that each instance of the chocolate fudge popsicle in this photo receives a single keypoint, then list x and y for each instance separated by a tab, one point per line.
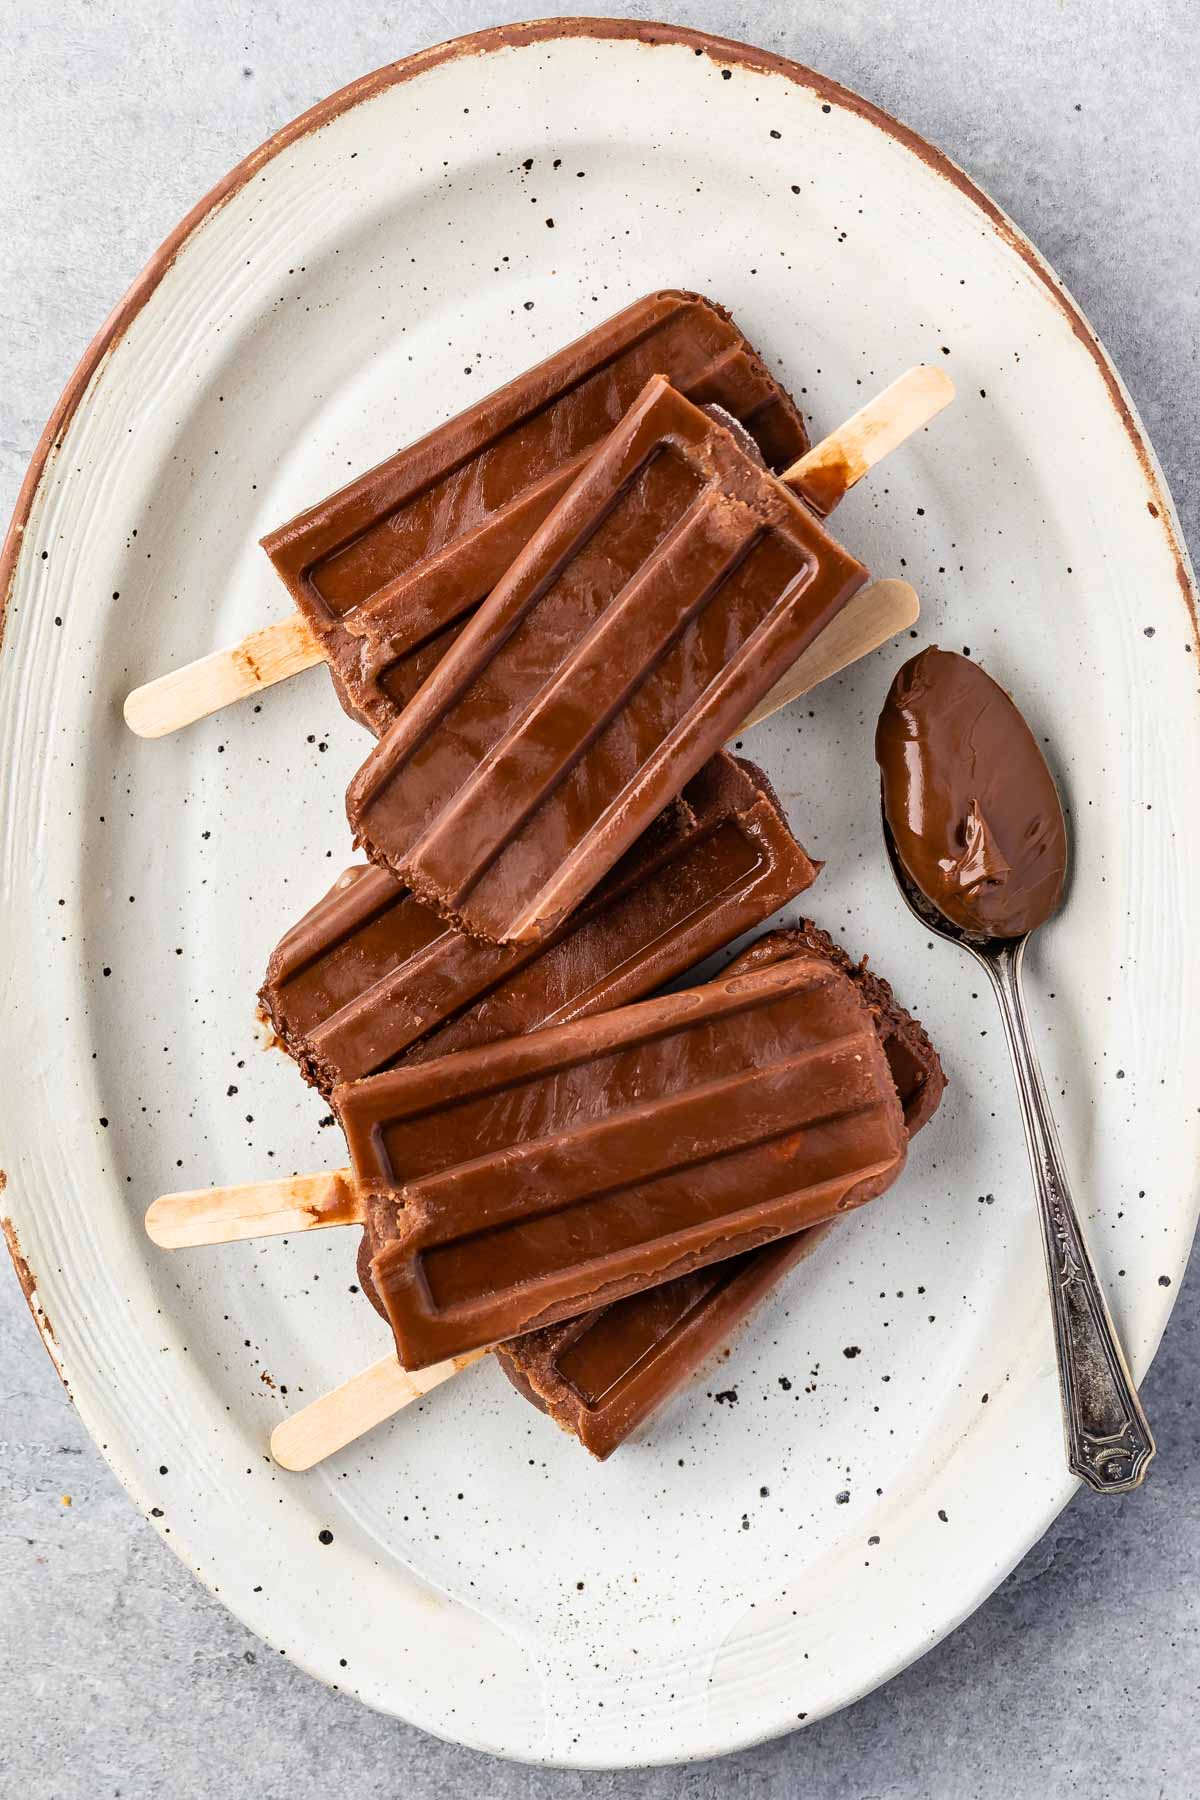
372	976
667	591
539	1177
388	570
601	1376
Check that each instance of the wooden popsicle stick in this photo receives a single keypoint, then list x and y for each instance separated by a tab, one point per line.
827	472
346	1412
872	616
203	687
224	1215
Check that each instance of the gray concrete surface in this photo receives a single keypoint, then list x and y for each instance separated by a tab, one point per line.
119	1675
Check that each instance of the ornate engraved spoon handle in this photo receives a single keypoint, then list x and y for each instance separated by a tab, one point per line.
1109	1442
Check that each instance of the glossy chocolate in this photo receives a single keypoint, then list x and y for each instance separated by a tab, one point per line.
667	592
371	976
539	1177
600	1377
916	1068
388	570
970	803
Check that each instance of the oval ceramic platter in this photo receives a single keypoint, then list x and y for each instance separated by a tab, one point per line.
883	1442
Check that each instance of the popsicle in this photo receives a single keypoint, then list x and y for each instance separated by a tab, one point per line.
601	1376
297	1203
346	1412
664	595
371	975
536	1178
385	572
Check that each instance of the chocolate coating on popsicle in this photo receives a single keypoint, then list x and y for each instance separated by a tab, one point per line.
600	1377
389	569
968	798
371	976
914	1062
666	593
538	1177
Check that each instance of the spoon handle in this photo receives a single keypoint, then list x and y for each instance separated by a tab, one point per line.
1109	1442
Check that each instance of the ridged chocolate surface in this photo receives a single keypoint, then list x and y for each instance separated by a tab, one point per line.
668	590
538	1177
388	570
372	976
600	1377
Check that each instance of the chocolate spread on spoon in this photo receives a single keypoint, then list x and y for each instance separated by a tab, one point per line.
968	798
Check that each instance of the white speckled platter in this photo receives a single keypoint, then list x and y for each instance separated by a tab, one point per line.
883	1442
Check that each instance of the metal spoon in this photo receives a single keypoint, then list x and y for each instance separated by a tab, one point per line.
1109	1442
